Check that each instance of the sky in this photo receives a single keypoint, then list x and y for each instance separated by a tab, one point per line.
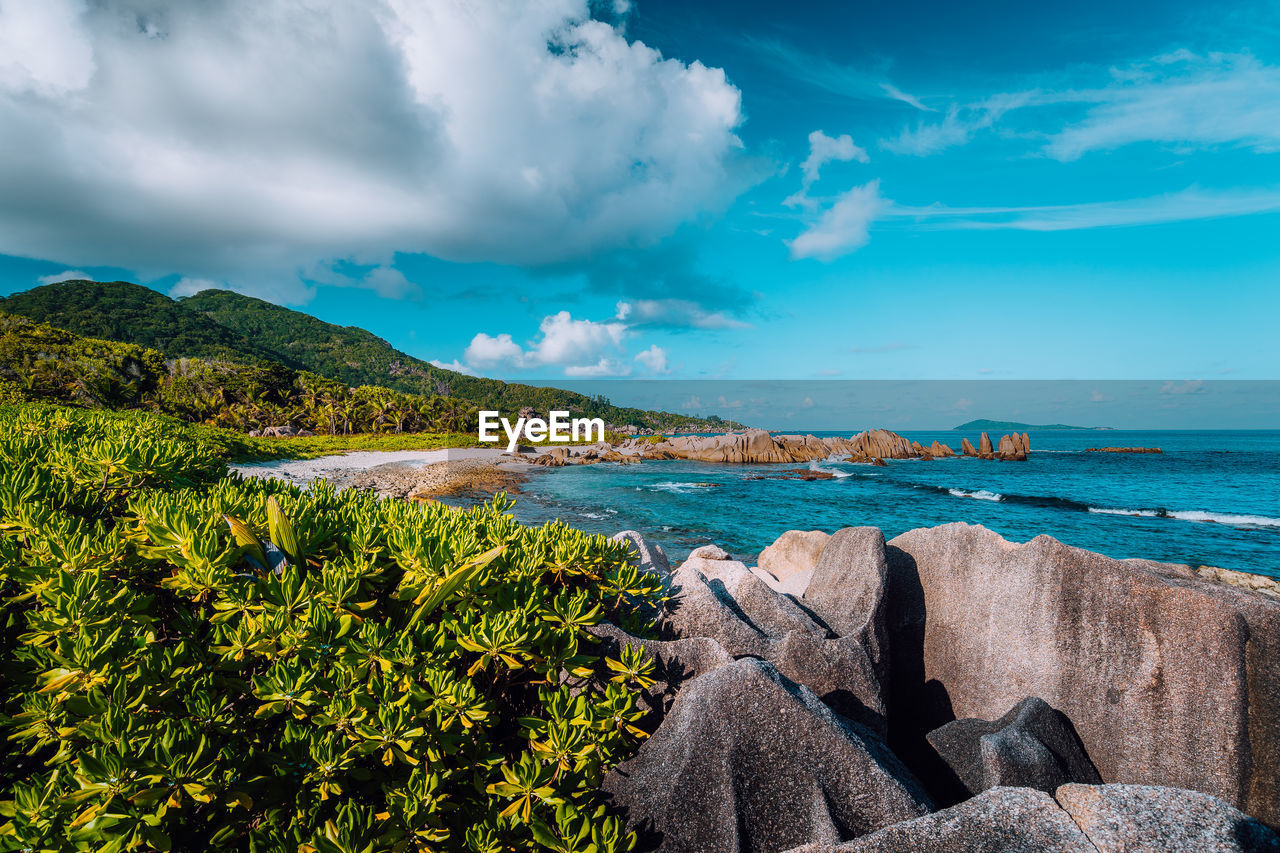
563	190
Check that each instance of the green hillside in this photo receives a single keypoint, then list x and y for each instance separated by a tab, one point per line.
220	324
122	311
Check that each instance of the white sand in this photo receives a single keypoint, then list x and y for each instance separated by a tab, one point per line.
303	471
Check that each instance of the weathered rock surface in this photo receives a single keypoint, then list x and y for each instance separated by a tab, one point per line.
648	558
1168	679
882	444
1013	447
847	590
675	661
791	559
746	760
967	448
1144	819
985	450
1002	820
752	446
1077	819
940	450
1032	746
724	600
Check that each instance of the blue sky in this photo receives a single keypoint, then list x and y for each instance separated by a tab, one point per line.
713	190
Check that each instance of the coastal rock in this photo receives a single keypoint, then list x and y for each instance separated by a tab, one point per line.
985	450
1168	679
882	444
1011	448
1144	819
1123	450
648	558
940	450
753	446
713	778
1002	820
709	552
1032	746
724	601
967	448
675	661
1077	819
279	431
847	590
791	558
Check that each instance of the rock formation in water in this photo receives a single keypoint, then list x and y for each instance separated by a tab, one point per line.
829	698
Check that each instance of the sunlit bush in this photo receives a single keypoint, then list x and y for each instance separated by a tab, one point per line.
190	661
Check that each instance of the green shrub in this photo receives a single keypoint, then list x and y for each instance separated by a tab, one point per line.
191	661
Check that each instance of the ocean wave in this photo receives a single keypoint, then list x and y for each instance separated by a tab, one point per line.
980	494
836	472
1225	518
680	488
1143	513
1233	519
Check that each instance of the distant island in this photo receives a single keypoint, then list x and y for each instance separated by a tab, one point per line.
1014	425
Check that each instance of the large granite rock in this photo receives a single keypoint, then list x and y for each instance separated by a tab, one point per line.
1002	820
723	600
675	661
791	559
967	448
747	760
1144	819
1077	819
1168	679
847	590
940	450
1032	746
882	444
985	450
752	446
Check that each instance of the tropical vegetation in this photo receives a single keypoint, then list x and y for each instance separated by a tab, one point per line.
221	325
192	661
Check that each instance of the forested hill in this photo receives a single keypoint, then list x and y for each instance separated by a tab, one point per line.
221	324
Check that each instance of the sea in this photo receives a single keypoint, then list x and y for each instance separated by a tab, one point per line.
1211	498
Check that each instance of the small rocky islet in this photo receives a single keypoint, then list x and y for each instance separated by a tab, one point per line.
949	690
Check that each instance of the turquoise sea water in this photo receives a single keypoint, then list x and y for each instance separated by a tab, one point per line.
1212	498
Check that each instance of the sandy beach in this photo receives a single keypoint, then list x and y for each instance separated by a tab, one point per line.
418	474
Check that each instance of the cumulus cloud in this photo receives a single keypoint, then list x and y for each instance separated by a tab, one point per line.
654	359
679	313
579	347
455	365
843	227
245	140
824	149
66	275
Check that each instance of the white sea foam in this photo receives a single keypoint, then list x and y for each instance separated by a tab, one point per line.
1144	513
980	494
836	472
679	488
1226	518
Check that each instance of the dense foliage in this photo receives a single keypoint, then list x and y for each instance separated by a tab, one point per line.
227	325
192	662
41	363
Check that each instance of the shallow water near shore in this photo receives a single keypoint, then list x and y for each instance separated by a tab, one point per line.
1211	498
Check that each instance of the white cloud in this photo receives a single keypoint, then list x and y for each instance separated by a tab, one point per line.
825	149
485	351
1181	99
1192	203
245	140
66	275
957	127
654	359
192	286
682	313
821	73
843	227
455	365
